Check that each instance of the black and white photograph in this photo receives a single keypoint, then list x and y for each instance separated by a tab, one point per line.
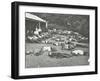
51	40
56	40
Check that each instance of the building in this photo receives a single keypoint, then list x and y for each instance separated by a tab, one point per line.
34	24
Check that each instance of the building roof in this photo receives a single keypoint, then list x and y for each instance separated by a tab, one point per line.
34	17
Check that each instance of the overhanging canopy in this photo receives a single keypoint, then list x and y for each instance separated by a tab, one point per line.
31	16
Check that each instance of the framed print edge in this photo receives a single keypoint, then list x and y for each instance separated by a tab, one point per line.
15	40
96	40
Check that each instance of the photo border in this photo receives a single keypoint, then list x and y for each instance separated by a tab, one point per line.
15	39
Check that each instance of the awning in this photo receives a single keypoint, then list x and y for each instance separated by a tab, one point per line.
34	17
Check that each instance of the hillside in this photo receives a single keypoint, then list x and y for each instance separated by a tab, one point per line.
77	23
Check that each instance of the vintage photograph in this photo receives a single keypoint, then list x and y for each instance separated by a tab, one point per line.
50	40
56	40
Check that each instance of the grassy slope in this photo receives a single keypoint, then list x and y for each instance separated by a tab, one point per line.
44	60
